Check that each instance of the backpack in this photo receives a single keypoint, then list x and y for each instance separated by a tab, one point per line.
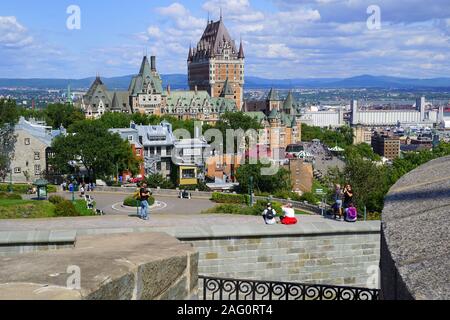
352	214
270	214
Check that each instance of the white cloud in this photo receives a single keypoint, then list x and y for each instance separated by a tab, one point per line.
13	34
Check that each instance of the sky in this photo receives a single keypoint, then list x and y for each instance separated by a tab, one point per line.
282	38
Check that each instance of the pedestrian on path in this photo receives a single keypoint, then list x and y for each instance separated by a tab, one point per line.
144	195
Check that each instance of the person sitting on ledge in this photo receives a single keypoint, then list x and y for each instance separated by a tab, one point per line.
269	214
351	214
289	215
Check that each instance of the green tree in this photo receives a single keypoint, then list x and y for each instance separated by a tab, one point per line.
9	113
99	151
362	150
280	181
112	120
62	114
157	180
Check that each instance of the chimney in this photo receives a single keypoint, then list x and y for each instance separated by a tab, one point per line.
168	89
196	90
153	63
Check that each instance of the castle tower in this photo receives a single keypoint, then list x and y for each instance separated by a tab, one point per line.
273	100
216	62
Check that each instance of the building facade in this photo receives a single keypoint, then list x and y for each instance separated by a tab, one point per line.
386	146
280	119
32	150
146	95
419	116
155	145
217	65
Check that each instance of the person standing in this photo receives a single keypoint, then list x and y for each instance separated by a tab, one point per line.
338	197
348	196
144	195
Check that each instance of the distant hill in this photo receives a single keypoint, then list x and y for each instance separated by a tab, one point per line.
179	81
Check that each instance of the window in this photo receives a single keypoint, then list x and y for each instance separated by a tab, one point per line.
138	152
189	174
130	138
17	170
37	156
158	166
27	141
37	170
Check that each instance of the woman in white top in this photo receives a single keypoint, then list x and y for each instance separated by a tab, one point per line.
289	215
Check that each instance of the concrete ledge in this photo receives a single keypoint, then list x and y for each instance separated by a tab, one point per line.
415	251
143	266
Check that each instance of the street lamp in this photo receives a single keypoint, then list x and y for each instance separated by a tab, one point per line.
250	190
10	182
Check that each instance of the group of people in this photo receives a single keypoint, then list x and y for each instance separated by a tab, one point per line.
83	187
344	208
288	217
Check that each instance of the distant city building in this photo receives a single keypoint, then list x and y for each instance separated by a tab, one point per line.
217	65
32	150
362	135
386	145
301	175
280	119
146	95
394	117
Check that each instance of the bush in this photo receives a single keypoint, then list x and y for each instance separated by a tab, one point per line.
310	198
230	198
56	199
82	209
10	196
23	188
256	210
132	202
66	209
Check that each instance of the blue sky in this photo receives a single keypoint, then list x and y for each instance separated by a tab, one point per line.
283	38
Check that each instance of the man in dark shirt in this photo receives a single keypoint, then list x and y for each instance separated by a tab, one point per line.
144	195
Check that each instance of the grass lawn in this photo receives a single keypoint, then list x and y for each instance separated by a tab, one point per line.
25	209
31	209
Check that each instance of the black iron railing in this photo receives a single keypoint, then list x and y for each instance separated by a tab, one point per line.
234	289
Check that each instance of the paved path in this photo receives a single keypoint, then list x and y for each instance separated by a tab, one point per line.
157	220
110	203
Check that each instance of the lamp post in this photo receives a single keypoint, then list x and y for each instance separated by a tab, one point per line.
10	182
250	190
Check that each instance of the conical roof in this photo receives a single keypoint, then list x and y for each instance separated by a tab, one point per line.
273	95
274	114
241	54
115	102
227	90
289	102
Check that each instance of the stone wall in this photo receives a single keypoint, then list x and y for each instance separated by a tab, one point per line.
339	259
415	251
136	266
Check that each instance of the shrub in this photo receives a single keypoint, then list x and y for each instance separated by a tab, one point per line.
256	210
132	202
82	209
56	199
23	188
10	196
309	197
66	209
230	198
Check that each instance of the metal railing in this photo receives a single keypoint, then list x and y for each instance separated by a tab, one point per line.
234	289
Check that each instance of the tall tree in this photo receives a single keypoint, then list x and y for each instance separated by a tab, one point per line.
9	115
98	150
